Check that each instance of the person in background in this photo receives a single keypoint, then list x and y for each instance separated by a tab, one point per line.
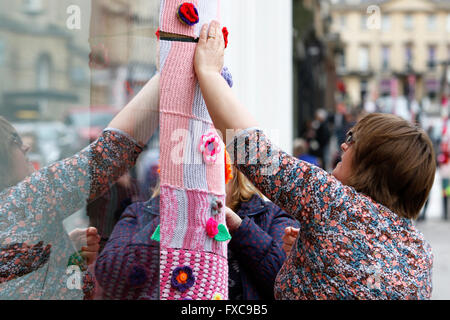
319	137
444	172
301	152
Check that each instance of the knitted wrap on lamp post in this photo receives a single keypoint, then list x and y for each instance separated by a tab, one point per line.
192	233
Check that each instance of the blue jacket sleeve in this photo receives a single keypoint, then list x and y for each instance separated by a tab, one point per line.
260	252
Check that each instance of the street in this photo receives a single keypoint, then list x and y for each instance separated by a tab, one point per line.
437	233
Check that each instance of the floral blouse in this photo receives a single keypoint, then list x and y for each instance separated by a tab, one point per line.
349	246
35	250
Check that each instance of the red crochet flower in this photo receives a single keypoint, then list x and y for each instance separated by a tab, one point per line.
188	14
212	228
225	36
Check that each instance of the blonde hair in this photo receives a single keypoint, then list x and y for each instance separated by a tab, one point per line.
242	190
157	190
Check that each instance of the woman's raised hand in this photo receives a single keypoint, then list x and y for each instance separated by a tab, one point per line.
89	240
233	220
209	56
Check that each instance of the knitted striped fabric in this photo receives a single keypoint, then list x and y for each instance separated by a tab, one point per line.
189	186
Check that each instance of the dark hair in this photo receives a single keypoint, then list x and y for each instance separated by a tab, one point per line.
6	131
393	163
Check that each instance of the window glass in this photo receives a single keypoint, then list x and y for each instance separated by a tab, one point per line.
408	22
363	58
67	68
432	23
386	22
386	51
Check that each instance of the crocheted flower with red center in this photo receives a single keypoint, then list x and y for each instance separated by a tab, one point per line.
225	36
188	14
212	228
210	147
182	278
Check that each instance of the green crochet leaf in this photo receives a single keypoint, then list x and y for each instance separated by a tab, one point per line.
77	260
223	234
157	235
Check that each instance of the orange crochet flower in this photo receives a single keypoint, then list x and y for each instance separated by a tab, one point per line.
182	277
228	169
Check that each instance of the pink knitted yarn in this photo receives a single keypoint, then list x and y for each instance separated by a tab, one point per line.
184	218
178	81
210	271
189	186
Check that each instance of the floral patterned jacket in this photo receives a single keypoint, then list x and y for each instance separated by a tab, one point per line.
349	246
34	247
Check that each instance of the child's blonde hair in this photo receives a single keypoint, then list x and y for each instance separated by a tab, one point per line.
242	190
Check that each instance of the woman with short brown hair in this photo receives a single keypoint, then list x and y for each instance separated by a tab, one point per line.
394	163
357	239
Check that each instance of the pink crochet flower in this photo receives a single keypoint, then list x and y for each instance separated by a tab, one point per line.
210	147
212	228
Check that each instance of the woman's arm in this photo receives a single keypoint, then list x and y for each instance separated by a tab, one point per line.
294	186
140	117
33	209
225	109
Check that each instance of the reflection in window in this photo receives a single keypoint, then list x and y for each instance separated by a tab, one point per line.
43	72
363	22
2	52
448	22
409	56
341	63
342	21
409	22
431	57
363	58
432	22
386	50
386	23
32	6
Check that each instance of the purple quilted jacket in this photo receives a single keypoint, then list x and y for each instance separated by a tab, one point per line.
128	267
257	245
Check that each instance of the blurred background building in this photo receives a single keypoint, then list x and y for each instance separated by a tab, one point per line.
43	65
393	53
314	52
67	67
